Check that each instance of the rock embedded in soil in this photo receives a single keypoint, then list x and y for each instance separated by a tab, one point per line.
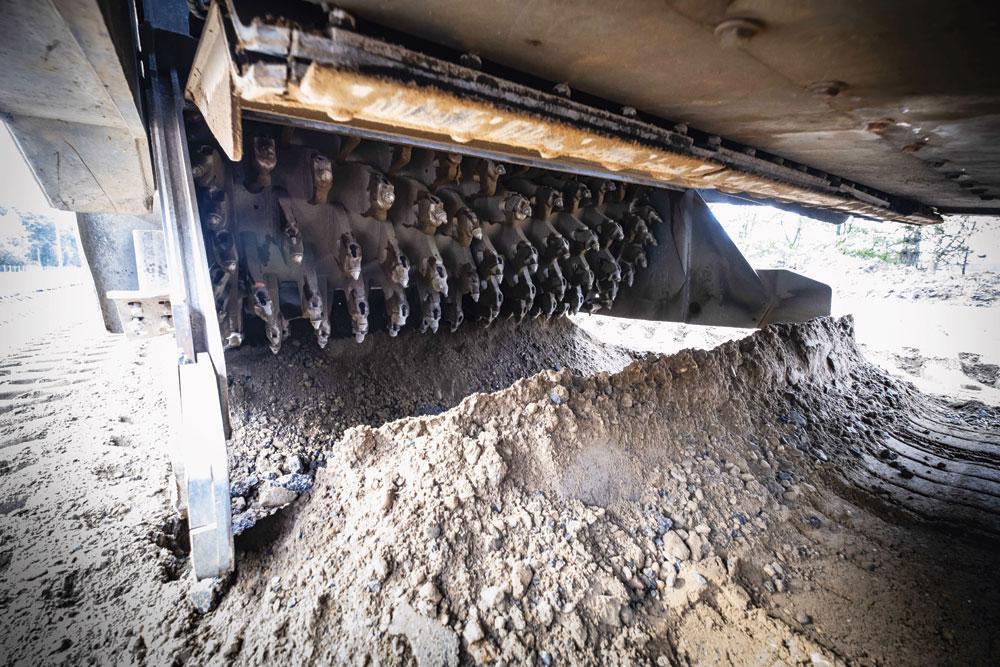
675	547
273	497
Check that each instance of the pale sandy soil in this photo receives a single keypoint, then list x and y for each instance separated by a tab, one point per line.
706	509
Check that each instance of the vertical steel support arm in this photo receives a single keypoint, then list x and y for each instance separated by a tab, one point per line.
201	409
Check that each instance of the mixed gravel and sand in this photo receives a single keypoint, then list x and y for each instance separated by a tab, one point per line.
522	495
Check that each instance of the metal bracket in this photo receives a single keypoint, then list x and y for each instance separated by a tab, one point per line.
200	445
697	275
200	403
143	314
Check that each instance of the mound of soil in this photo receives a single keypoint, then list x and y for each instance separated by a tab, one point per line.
776	499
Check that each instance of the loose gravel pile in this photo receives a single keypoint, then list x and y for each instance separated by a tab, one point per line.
701	507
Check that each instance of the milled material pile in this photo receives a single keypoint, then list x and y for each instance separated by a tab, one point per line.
704	507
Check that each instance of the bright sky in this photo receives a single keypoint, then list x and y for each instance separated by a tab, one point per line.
18	187
20	190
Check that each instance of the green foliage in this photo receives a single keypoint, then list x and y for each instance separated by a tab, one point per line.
881	242
870	253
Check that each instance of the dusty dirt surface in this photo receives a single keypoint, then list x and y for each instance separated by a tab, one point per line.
773	500
776	499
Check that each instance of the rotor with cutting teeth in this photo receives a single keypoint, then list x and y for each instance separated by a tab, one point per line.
321	229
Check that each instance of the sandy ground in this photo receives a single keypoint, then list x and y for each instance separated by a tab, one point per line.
942	348
776	500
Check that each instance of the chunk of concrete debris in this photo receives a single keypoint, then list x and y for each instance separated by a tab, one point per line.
432	643
428	597
674	546
520	579
491	596
297	482
387	498
473	631
297	464
273	497
204	594
380	568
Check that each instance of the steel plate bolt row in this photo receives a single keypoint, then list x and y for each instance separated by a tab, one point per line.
320	235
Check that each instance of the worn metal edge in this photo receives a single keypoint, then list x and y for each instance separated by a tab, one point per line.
357	100
305	54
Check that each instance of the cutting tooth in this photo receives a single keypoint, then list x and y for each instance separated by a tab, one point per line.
208	169
265	308
357	308
545	304
395	264
509	207
604	266
551	281
322	177
323	334
430	309
453	313
323	329
430	213
650	215
607	277
578	272
516	207
416	216
312	302
488	261
435	276
580	279
265	159
225	251
490	300
574	299
220	282
217	218
634	254
467	227
552	245
608	231
574	193
580	237
463	224
480	176
350	256
517	250
636	230
601	189
628	272
520	293
232	313
468	281
382	195
525	257
293	236
476	241
448	170
274	332
397	308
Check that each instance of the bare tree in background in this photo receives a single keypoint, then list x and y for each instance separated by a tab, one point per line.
950	243
909	255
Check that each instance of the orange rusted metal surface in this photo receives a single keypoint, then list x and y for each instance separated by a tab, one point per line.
355	99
